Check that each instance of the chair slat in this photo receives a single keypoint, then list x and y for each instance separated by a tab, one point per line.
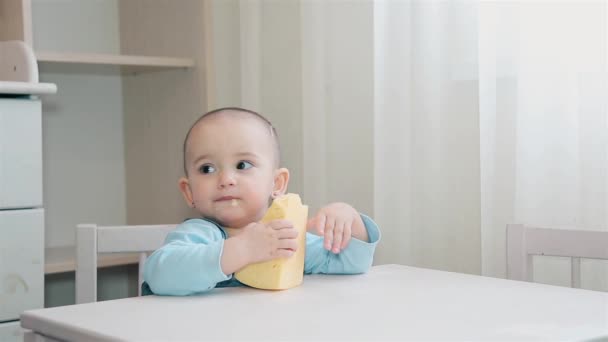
86	263
92	239
523	242
122	239
567	243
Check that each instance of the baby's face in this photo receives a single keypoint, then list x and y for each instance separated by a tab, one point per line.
231	165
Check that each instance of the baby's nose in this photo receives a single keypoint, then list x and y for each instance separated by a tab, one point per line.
227	179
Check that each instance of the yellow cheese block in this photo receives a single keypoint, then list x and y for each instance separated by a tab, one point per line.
284	273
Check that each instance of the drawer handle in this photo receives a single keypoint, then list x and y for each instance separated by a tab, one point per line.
12	281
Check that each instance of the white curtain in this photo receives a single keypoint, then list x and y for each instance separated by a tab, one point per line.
445	120
501	118
543	108
427	163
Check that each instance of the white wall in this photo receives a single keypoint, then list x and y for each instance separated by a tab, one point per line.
84	169
76	25
226	52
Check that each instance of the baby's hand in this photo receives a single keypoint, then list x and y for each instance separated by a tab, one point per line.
337	223
267	241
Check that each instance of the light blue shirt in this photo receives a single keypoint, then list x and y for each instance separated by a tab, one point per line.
189	261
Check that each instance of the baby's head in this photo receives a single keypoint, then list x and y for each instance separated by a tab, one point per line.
231	161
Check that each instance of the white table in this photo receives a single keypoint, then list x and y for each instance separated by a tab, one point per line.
391	302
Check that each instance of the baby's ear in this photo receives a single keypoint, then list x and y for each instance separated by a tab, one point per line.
184	188
281	180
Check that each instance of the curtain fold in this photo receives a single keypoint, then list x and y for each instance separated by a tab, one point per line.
426	145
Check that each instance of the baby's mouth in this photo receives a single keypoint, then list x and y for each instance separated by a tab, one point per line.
229	199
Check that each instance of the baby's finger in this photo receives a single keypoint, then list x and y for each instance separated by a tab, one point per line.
328	232
290	244
346	236
319	225
280	224
283	253
338	232
287	233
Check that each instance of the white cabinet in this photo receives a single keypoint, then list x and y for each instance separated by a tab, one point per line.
21	262
21	212
11	332
20	154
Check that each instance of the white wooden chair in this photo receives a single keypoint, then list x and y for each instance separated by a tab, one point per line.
523	242
92	239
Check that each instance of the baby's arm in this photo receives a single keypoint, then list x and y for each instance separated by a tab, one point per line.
357	257
196	257
189	262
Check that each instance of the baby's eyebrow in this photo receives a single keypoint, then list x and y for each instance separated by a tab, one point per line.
204	156
247	154
238	155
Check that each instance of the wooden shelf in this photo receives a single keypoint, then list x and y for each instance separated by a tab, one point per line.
133	63
63	259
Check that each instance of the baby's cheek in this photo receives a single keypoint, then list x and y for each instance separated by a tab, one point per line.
258	210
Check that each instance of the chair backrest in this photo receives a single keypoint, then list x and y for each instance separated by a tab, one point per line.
92	239
523	242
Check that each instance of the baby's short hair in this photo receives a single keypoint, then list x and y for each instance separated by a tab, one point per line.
219	111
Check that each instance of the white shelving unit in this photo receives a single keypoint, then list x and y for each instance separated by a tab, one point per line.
21	203
112	140
112	59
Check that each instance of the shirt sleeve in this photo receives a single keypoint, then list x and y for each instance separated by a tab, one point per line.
188	262
356	258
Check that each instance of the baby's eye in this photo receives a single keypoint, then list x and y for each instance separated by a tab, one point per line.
243	165
206	168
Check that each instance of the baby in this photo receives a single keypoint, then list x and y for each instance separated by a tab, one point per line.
232	174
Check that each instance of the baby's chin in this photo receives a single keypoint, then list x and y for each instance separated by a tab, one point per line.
231	222
235	218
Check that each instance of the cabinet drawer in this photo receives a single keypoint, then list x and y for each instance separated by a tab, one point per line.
20	153
11	332
21	262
